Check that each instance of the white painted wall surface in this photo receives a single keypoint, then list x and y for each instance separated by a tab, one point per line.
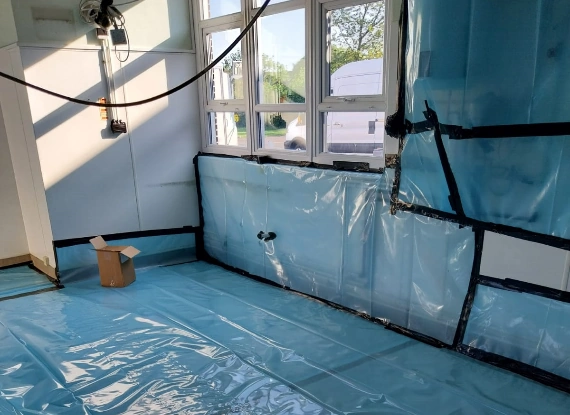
165	136
87	170
25	160
150	23
506	257
13	241
8	34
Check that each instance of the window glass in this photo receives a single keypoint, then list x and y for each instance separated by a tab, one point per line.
228	129
354	133
282	58
217	8
225	80
259	3
356	36
283	131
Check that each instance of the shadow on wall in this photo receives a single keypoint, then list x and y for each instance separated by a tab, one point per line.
138	181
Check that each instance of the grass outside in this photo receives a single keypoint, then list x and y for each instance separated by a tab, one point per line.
270	131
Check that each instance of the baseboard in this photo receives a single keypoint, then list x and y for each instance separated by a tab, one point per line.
17	260
46	269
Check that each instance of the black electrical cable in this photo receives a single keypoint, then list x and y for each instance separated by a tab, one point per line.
157	97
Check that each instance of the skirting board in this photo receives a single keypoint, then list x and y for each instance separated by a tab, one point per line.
9	262
46	269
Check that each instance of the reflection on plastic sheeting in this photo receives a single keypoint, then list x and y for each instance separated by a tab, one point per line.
520	182
337	240
196	339
524	327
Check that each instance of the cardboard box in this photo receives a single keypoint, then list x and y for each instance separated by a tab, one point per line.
116	266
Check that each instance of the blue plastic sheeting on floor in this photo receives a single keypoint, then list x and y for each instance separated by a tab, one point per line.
195	339
21	280
76	261
525	327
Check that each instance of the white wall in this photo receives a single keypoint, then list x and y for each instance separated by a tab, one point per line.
25	160
150	23
97	182
506	257
8	33
13	241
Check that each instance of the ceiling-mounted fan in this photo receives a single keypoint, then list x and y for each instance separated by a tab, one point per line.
100	13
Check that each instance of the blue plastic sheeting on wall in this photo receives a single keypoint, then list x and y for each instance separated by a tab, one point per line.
21	280
195	339
500	180
484	63
337	240
524	327
73	261
479	63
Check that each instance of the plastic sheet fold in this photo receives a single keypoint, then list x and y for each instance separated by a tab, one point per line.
483	64
524	327
195	339
337	240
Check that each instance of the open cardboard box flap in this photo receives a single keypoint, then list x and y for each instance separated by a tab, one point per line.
100	245
116	266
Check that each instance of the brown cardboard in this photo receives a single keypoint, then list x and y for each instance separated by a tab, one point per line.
116	266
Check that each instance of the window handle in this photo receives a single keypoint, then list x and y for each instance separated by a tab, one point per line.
266	236
346	99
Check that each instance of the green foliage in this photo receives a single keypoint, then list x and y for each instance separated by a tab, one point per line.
357	34
230	59
281	85
278	122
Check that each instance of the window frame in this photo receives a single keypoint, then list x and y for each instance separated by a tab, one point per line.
316	82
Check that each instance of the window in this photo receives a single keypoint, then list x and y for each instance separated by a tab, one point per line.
313	80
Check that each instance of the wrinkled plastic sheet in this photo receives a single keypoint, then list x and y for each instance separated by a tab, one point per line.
505	63
21	280
195	339
79	260
337	240
524	327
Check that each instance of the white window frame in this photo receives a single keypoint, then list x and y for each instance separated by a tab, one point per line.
316	80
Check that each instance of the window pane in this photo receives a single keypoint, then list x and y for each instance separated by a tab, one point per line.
282	58
354	133
228	129
217	8
356	36
225	81
283	130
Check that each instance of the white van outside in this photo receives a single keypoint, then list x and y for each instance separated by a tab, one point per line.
348	132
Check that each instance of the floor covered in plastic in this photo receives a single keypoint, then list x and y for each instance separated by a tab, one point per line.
196	339
22	280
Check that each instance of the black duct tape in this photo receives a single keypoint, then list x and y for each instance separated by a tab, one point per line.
470	296
456	132
454	197
523	369
525	287
511	231
200	246
395	125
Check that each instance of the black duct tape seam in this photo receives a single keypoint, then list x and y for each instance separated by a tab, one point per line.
64	243
456	132
530	372
381	321
524	287
554	241
45	290
523	369
396	123
471	290
454	197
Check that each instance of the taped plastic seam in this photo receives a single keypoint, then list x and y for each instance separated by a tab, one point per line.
337	240
76	260
521	181
523	327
